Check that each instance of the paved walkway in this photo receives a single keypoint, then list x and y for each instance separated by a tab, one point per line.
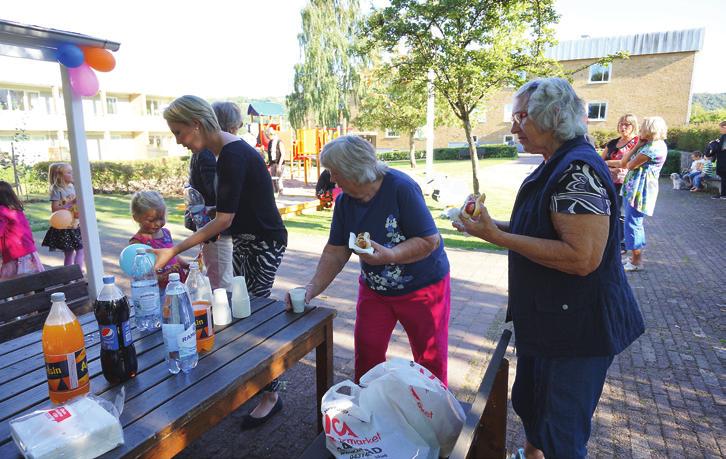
664	396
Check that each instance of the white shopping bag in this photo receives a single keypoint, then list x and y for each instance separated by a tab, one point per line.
353	430
422	399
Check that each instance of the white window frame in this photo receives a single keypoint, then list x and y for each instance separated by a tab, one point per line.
420	133
604	116
507	118
111	101
391	134
609	68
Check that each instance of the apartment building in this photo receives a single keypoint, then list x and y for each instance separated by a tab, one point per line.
119	125
655	80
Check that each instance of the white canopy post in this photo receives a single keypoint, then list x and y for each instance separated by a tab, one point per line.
83	185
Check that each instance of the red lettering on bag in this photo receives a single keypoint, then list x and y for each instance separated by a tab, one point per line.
336	427
59	414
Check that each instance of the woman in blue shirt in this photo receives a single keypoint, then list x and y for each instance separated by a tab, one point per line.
406	278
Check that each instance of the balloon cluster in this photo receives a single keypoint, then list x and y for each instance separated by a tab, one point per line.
81	62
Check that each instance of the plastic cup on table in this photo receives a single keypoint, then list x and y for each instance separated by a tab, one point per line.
297	298
220	307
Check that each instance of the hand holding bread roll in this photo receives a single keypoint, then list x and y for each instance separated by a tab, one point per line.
473	204
363	240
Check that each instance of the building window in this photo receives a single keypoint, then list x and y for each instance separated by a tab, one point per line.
155	141
392	134
420	133
11	99
600	73
111	105
153	107
597	111
508	139
507	118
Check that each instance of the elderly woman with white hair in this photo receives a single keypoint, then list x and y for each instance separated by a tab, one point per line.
569	300
640	186
406	278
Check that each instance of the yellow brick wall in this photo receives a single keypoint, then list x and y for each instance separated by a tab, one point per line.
655	84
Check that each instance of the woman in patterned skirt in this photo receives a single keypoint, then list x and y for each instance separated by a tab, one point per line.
245	205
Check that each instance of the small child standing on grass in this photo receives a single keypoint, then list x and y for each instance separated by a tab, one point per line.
63	196
16	240
149	210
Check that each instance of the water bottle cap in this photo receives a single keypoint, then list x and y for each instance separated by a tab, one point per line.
109	279
173	277
140	251
193	265
57	297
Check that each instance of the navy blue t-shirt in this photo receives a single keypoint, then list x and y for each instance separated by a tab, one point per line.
244	188
396	213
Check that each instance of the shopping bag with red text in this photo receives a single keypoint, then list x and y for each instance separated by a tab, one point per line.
422	399
354	431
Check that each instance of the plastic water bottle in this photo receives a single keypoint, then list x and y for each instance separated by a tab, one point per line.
145	292
178	327
195	207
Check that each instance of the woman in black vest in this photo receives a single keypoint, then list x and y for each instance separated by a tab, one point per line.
569	300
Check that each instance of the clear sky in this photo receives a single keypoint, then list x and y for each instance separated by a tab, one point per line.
249	47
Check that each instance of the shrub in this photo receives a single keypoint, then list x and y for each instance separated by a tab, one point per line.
165	175
442	154
400	155
602	137
690	138
672	163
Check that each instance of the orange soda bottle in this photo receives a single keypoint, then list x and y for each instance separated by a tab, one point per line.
201	296
65	352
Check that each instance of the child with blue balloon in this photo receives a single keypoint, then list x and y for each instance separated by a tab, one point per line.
149	210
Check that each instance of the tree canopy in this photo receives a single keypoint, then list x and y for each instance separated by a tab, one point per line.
327	80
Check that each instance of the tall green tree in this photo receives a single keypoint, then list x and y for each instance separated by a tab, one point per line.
327	80
399	104
474	47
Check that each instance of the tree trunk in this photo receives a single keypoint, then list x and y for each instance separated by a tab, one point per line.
472	153
412	149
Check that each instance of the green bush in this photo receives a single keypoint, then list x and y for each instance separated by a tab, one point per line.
165	175
691	138
442	154
601	137
400	155
672	163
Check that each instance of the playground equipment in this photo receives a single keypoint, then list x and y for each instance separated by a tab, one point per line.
307	147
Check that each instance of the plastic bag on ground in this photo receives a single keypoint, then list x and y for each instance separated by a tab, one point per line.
82	428
354	431
423	400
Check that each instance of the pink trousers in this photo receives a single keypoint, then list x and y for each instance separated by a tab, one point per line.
424	315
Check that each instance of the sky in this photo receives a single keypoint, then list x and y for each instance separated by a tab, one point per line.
248	48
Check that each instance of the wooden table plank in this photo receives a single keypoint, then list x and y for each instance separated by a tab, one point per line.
32	340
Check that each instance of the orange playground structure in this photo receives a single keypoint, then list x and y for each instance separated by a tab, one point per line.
306	149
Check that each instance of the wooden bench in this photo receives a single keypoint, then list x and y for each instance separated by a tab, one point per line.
25	300
484	432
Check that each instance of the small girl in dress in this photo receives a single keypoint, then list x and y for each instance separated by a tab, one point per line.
16	239
149	211
63	196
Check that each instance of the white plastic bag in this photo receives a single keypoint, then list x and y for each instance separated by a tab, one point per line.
355	431
423	400
83	428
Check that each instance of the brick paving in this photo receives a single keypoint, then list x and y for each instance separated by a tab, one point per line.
664	396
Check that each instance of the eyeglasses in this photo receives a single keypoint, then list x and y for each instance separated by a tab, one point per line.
624	124
517	117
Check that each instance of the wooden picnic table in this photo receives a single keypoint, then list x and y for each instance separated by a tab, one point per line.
163	413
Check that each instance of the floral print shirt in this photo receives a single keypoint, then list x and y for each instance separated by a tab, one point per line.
396	213
640	187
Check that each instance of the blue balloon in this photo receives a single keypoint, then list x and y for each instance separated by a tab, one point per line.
69	55
126	259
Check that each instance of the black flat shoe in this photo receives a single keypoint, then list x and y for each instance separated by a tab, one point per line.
250	422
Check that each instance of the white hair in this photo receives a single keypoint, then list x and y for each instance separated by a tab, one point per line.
555	107
353	158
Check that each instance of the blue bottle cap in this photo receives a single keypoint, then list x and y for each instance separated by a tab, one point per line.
173	277
57	297
109	279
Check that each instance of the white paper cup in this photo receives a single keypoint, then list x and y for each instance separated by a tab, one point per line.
220	307
297	298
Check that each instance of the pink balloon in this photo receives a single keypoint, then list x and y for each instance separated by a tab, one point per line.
83	80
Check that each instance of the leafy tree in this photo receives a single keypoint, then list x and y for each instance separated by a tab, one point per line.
700	115
710	101
327	80
398	104
474	47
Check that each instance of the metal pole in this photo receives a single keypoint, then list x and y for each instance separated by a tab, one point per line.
430	112
84	188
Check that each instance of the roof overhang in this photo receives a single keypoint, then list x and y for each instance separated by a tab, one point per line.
40	43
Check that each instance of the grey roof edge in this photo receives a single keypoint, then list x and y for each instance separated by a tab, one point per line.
36	42
673	41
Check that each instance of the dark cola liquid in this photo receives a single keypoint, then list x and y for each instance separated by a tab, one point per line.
118	355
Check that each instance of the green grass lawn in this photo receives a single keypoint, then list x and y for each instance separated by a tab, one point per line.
499	203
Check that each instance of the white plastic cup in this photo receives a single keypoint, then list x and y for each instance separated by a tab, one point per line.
297	298
220	307
240	298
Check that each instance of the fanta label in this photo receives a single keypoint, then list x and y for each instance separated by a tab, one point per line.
67	371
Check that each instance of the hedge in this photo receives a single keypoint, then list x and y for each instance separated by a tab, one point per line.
688	138
440	154
166	175
672	163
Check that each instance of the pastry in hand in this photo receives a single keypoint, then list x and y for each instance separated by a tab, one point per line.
363	240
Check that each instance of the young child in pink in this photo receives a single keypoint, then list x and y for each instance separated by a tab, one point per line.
16	240
149	211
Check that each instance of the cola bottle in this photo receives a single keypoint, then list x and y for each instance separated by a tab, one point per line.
118	355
